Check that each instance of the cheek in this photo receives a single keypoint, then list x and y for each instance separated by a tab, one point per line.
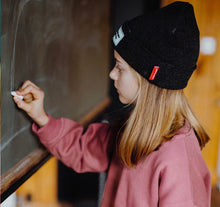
133	89
129	88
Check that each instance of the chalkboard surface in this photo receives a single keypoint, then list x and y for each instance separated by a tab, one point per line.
63	47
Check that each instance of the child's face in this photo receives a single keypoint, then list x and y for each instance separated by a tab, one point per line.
125	80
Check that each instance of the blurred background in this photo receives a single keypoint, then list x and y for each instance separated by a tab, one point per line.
55	185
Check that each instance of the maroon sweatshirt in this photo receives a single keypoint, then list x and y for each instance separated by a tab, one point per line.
175	175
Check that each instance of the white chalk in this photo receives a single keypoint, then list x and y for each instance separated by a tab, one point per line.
13	93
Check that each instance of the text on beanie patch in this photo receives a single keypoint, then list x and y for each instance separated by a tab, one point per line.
154	72
118	36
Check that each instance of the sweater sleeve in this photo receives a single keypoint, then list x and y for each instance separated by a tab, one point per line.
84	152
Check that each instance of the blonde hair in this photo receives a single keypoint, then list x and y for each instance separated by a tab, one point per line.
156	117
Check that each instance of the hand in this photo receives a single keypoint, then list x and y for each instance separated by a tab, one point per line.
33	103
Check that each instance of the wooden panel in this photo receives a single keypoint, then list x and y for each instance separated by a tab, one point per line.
203	91
42	186
21	168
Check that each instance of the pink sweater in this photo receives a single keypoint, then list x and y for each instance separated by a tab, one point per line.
175	175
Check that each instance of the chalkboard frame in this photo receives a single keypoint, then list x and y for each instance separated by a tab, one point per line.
18	174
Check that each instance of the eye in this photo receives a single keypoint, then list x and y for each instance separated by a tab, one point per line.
118	67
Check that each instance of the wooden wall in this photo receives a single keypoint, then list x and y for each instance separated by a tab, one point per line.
203	91
41	187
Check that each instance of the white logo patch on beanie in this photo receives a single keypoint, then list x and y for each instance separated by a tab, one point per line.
118	36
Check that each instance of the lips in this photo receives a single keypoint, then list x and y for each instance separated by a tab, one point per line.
116	88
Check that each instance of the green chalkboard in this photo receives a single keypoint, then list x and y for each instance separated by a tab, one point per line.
63	47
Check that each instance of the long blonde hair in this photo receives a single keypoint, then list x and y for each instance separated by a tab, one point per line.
156	117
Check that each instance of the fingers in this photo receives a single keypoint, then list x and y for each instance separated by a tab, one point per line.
30	91
37	93
33	102
22	105
27	83
28	98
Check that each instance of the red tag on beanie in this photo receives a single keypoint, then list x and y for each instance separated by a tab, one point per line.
154	72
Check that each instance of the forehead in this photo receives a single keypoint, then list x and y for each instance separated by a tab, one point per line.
115	53
118	57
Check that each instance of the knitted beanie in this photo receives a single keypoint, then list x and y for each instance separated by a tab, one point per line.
163	46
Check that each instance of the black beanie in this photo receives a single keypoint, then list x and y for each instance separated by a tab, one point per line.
163	46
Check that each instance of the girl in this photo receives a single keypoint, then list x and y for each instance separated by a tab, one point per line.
157	160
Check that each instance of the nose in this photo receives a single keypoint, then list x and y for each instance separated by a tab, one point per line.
113	74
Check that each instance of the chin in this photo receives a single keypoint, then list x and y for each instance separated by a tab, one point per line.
123	101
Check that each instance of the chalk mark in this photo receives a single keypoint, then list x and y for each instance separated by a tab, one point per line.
21	8
5	144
